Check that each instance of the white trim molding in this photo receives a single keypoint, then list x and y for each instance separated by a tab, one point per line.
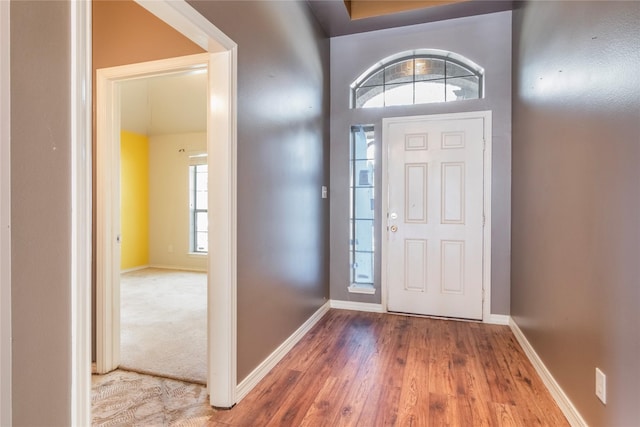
362	289
107	220
488	184
222	159
190	23
497	319
357	306
5	216
81	176
132	269
566	406
169	267
270	362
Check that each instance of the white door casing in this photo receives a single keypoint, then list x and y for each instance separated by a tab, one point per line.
434	237
81	195
108	247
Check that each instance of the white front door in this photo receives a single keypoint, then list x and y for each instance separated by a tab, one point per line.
435	215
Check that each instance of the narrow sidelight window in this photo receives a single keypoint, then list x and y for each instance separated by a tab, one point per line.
362	203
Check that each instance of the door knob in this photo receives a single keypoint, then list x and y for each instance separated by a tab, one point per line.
394	228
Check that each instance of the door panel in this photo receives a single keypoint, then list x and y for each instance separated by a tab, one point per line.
416	192
415	264
435	226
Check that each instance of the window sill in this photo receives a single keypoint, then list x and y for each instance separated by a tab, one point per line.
198	254
362	289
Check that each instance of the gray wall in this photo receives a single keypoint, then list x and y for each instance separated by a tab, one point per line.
576	198
40	213
486	40
283	141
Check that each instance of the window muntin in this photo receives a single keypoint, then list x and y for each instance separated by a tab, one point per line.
418	79
198	206
362	205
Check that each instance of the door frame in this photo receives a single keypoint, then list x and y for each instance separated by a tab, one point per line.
222	53
486	238
108	247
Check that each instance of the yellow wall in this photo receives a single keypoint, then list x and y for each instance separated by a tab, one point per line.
134	200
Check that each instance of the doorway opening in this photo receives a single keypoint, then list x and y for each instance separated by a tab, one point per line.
161	275
221	146
111	140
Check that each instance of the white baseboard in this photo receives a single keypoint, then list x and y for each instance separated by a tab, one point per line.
177	267
357	306
129	270
270	362
498	319
570	412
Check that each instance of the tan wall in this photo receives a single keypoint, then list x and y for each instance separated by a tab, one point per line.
40	213
169	200
125	33
366	8
576	198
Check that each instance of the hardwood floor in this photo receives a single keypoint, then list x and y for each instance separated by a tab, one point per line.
369	369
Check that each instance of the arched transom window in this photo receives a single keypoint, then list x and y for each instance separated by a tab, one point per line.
418	77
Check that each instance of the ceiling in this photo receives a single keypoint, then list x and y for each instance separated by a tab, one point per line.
369	15
168	104
359	9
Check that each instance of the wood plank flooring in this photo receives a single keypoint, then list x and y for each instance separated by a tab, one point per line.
370	369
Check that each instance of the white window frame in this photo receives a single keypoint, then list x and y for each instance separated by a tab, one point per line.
354	286
448	57
194	162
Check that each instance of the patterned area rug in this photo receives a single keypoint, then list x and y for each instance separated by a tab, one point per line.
122	398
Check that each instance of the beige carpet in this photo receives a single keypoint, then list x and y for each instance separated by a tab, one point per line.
122	398
163	323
